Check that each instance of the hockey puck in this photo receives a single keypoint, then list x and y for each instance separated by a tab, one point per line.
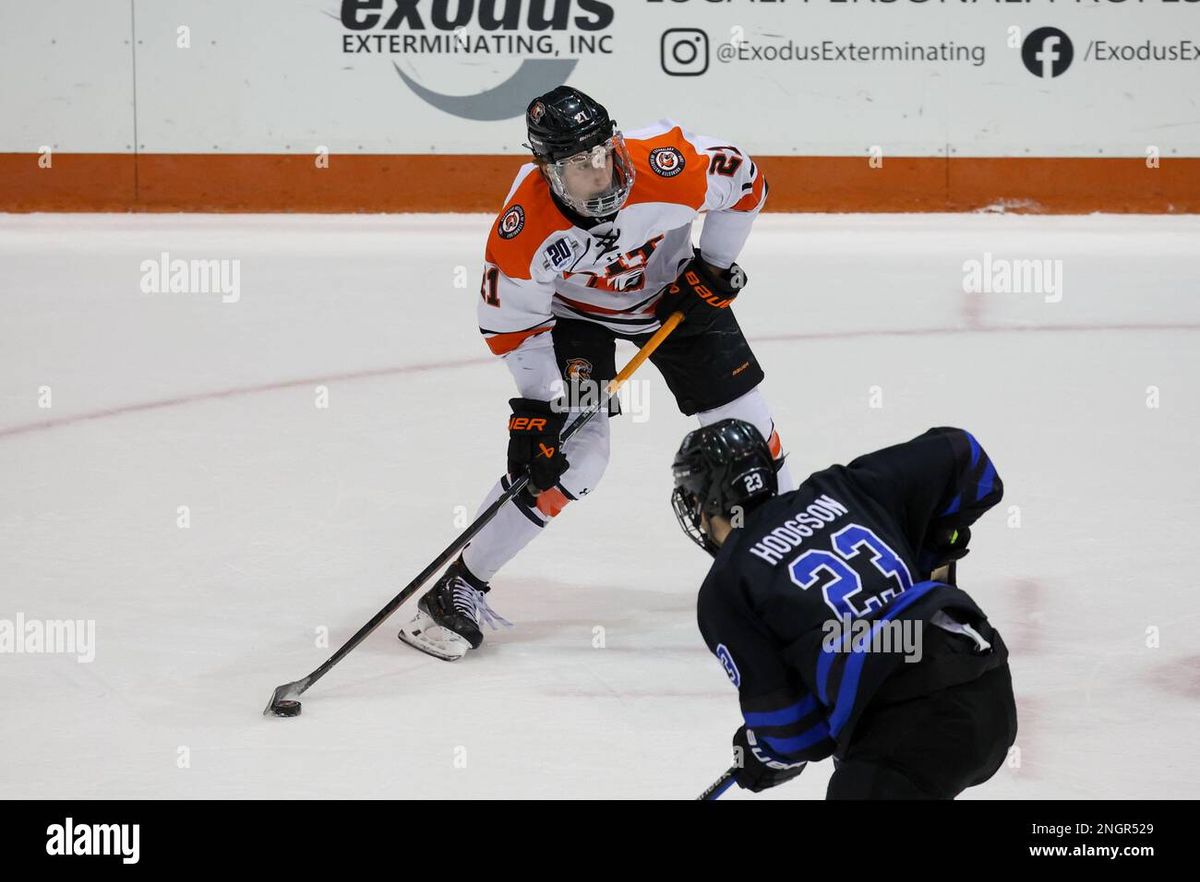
286	708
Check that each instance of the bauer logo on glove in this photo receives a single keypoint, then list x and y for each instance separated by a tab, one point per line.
701	292
533	431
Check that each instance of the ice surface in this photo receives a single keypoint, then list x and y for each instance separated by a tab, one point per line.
305	518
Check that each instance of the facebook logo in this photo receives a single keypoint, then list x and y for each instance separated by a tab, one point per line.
1047	52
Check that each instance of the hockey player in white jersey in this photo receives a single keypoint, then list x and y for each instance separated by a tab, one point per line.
594	243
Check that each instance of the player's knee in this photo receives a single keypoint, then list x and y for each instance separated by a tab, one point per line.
588	453
602	450
589	460
751	407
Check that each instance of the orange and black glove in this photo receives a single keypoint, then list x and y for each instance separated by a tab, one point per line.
533	444
700	293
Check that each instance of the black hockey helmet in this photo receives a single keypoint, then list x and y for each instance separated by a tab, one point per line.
719	469
564	122
574	139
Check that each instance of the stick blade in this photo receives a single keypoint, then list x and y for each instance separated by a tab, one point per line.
285	692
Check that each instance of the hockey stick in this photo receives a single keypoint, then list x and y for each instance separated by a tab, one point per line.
716	788
290	691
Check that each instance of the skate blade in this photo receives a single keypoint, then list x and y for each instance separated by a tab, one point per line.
429	637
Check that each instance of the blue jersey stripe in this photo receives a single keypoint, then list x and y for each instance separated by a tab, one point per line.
986	482
785	716
784	746
852	671
975	450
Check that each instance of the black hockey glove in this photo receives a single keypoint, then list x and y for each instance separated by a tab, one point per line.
700	293
533	431
758	770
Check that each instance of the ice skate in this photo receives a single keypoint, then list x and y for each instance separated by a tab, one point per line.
447	623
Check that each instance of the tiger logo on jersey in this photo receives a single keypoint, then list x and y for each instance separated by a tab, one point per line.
512	222
578	369
666	161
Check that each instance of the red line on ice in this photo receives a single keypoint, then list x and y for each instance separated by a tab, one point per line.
240	390
468	362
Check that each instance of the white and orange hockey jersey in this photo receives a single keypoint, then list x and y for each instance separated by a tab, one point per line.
540	266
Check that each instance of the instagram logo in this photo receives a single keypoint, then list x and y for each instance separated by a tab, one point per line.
684	52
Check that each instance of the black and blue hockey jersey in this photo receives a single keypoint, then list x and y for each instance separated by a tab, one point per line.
800	596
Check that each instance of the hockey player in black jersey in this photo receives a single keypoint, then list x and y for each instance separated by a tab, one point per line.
833	610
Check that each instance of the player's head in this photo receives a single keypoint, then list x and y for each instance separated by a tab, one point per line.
580	152
721	471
